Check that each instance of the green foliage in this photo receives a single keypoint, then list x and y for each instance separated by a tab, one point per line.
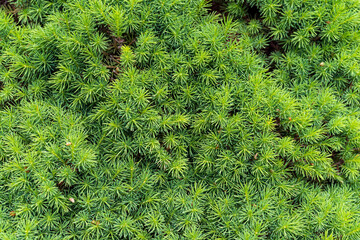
158	119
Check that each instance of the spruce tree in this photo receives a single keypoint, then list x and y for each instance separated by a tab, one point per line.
180	119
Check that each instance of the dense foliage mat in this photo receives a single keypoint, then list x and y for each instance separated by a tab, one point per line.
180	119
